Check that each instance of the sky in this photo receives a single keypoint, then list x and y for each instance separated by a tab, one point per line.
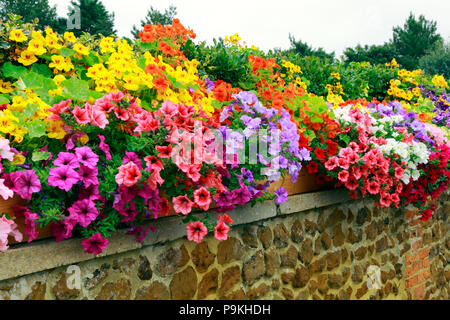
331	24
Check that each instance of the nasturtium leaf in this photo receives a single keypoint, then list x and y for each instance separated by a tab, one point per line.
75	89
95	94
66	52
42	69
30	110
40	155
36	128
11	71
4	45
3	99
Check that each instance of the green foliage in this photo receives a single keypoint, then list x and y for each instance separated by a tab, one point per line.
414	39
32	9
303	49
154	17
223	62
437	61
75	89
95	19
375	54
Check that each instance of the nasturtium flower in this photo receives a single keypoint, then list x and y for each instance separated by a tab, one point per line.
37	47
17	35
81	49
70	36
27	58
5	86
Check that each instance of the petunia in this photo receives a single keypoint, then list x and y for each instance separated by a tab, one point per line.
182	204
202	198
104	147
165	152
66	159
281	194
63	177
343	175
81	115
5	192
95	244
129	174
221	231
196	231
241	196
98	118
27	183
7	228
86	156
84	212
5	150
88	176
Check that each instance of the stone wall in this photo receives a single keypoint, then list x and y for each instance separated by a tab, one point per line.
323	253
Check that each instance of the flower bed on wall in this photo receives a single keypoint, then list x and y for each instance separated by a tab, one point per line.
99	133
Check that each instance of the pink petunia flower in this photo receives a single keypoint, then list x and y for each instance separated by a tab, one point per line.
88	175
95	244
66	159
202	198
182	204
129	174
63	177
343	176
81	115
84	212
5	192
373	187
86	156
26	183
7	228
104	147
221	231
196	231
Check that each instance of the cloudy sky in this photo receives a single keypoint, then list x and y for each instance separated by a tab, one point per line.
330	24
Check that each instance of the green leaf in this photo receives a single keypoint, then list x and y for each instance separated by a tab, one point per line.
42	69
40	155
30	110
11	71
4	45
90	59
75	89
36	128
3	99
66	52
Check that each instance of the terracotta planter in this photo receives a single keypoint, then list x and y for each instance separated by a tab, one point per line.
6	206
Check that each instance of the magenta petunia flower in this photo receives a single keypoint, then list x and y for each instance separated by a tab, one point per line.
86	156
26	183
95	244
88	175
241	196
104	147
84	211
66	159
63	177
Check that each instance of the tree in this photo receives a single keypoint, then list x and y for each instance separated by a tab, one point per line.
95	19
31	9
414	39
437	61
153	17
303	49
375	54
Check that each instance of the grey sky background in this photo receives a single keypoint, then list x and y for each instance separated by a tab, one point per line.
330	24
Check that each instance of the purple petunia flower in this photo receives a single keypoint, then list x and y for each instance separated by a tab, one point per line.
241	196
281	194
88	175
25	183
104	147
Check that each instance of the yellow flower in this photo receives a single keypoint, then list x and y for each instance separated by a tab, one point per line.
52	42
70	37
37	47
439	81
81	49
60	63
18	159
37	35
58	79
84	139
17	35
107	45
5	87
55	130
27	58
